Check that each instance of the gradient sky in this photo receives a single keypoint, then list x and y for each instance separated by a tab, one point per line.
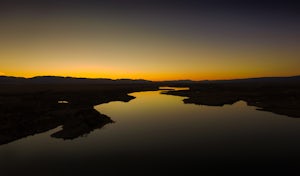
150	39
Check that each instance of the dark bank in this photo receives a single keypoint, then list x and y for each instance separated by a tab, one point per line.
53	129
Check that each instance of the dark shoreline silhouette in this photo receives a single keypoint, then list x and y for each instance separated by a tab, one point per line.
277	96
31	109
27	109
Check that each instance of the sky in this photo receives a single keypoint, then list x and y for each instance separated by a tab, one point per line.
150	39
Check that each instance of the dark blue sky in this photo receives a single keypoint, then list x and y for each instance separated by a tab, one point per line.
278	6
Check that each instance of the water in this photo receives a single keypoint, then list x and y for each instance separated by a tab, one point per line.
157	129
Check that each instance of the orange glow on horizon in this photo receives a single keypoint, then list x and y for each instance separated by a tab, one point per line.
156	77
124	51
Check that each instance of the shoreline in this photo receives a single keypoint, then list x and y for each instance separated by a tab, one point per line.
278	99
33	109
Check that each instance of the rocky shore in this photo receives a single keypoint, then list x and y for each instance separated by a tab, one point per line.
278	98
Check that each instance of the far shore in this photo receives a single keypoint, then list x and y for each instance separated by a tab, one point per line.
278	98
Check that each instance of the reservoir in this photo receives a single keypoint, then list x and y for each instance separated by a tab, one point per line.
157	131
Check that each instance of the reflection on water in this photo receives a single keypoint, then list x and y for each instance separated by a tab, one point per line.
174	88
62	102
160	128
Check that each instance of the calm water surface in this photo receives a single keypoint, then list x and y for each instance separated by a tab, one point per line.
160	127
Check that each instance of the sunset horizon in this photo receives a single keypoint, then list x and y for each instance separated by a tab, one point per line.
149	87
154	80
155	40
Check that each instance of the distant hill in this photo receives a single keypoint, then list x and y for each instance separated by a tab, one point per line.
277	80
72	80
11	80
291	79
178	82
67	80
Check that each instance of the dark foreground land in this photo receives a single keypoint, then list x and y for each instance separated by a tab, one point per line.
28	109
280	96
36	105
